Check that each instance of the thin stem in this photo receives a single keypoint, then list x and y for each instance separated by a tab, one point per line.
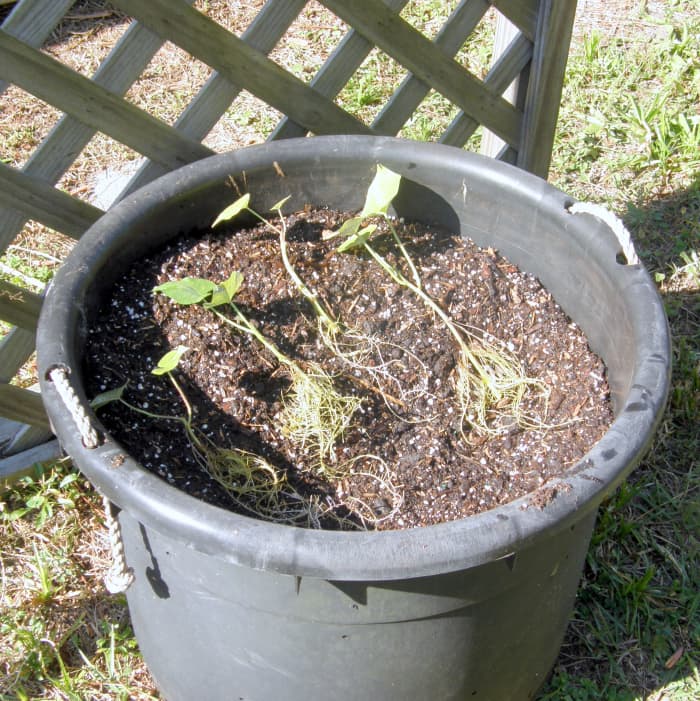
301	285
244	324
400	279
404	253
183	396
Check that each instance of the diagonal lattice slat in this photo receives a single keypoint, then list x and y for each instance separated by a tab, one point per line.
336	72
402	42
58	151
502	73
32	23
412	91
52	207
241	64
51	81
218	93
536	56
522	13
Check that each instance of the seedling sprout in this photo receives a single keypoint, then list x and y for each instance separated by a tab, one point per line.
315	413
488	379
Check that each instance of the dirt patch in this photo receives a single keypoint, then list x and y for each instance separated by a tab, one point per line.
407	456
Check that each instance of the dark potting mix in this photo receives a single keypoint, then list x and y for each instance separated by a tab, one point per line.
411	379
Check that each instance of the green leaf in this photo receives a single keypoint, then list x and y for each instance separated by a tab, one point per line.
169	361
277	206
104	398
189	290
381	192
227	290
36	501
350	227
357	239
232	210
70	478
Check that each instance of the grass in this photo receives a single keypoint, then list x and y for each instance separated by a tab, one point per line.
628	137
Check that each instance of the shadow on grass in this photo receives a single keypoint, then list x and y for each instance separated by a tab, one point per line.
636	627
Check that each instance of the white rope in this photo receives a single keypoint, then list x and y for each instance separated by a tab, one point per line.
90	437
615	224
119	577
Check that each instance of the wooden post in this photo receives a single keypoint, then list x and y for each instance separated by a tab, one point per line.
554	26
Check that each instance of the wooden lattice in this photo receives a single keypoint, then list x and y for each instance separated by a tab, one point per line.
535	58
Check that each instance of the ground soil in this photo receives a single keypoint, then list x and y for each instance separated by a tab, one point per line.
408	457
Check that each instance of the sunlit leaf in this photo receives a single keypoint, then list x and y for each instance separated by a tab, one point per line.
189	290
233	284
381	192
227	290
232	210
350	227
278	205
70	478
357	239
169	361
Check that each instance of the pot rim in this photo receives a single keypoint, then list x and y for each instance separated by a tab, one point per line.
353	556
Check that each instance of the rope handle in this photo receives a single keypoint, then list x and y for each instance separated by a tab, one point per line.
119	576
88	433
614	223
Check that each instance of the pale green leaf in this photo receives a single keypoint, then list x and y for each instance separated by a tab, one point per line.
36	501
189	290
169	361
357	239
350	227
227	290
277	206
112	395
233	210
233	284
381	192
69	479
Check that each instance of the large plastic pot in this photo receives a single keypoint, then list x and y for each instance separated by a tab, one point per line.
227	607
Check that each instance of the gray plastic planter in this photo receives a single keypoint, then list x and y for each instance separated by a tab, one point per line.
227	607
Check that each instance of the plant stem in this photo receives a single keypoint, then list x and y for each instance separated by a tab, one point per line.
400	279
321	313
311	296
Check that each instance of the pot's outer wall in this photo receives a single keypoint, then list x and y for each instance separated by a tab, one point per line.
225	606
498	205
490	633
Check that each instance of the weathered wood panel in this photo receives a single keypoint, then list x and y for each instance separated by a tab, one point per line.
509	65
554	26
412	90
523	14
15	467
336	72
22	405
38	200
15	348
94	105
58	151
33	22
401	41
19	306
243	65
217	94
